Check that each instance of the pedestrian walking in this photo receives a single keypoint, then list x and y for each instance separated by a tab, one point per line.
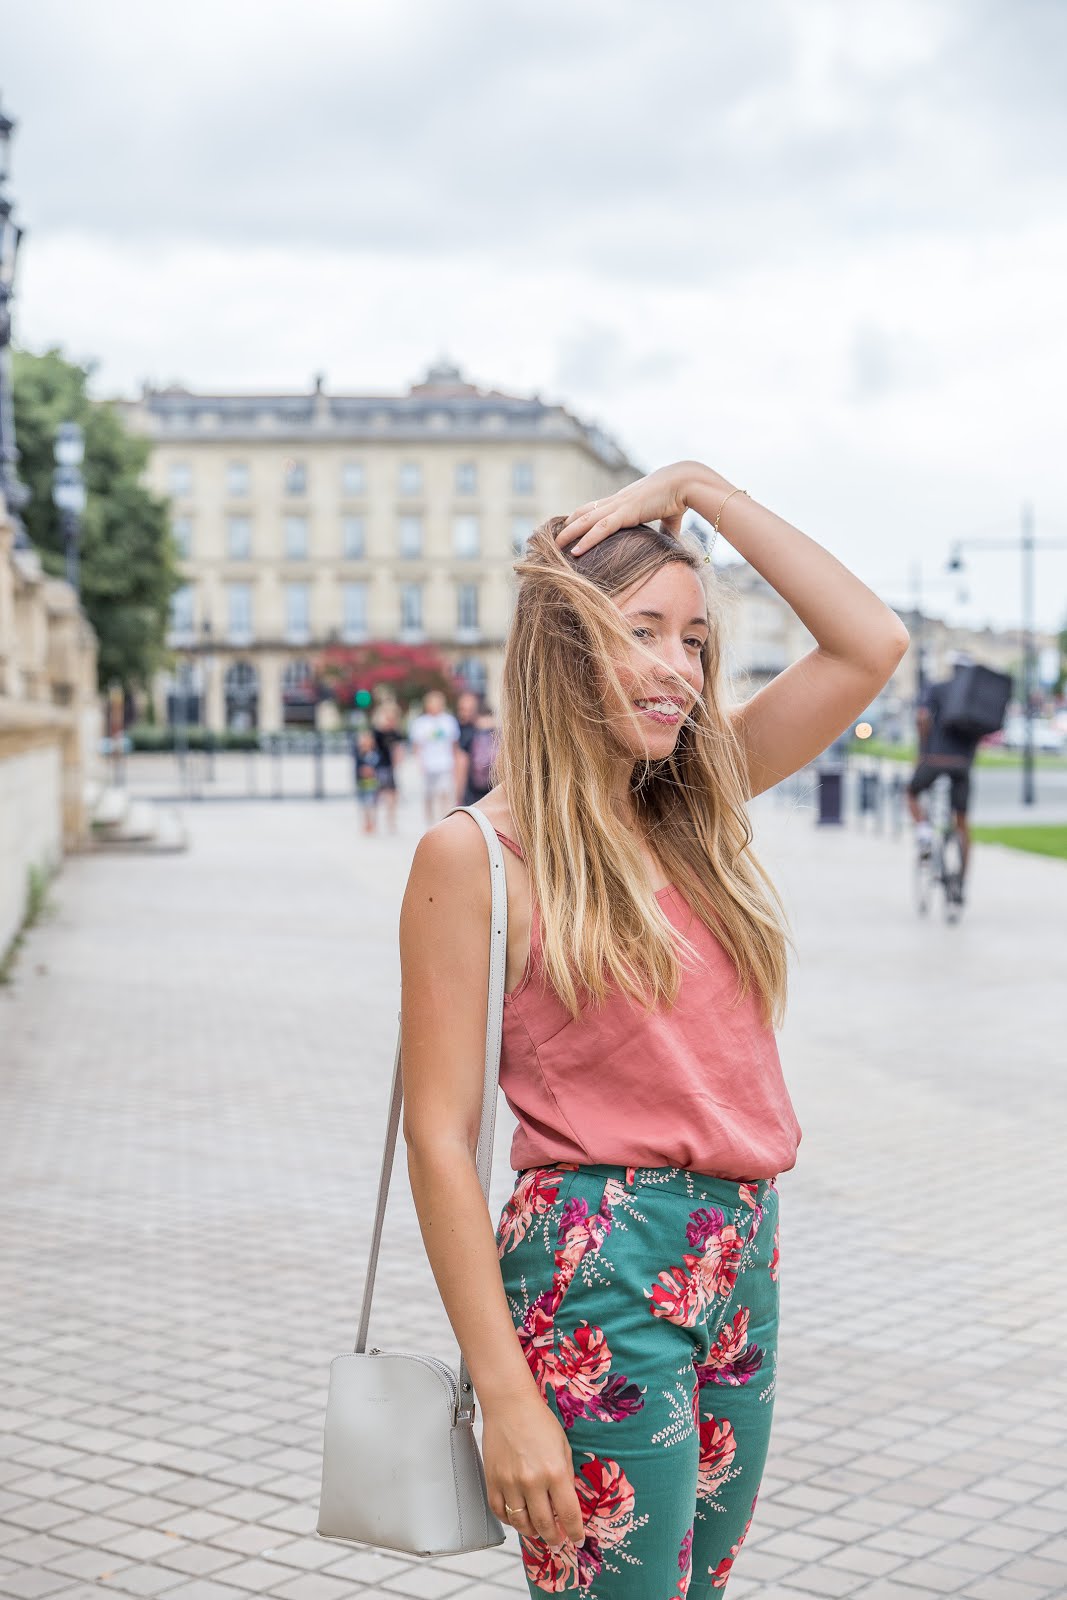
434	736
368	767
390	742
477	754
621	1325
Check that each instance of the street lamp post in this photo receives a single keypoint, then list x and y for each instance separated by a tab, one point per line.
14	493
68	491
1026	544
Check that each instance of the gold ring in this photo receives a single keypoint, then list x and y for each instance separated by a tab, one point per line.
513	1511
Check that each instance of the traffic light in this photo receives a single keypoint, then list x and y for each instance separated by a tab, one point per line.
363	698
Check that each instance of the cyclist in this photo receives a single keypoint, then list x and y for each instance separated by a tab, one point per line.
942	750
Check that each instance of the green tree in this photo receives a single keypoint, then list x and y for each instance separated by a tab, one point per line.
128	568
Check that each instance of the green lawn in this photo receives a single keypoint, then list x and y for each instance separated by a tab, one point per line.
1041	841
985	758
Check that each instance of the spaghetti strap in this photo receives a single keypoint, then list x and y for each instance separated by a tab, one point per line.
510	843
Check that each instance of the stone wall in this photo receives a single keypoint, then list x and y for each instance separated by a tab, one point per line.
49	724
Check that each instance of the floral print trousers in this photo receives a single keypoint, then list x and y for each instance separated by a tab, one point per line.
646	1302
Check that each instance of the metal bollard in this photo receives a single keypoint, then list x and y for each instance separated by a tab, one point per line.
276	754
831	786
317	751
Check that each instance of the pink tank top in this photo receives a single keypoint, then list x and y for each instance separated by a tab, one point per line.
696	1085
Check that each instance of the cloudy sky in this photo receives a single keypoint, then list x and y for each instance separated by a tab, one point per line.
820	245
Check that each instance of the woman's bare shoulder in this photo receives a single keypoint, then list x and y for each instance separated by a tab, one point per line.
452	850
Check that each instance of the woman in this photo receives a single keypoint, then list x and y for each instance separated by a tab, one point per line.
621	1328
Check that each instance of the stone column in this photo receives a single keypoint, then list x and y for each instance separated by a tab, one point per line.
269	668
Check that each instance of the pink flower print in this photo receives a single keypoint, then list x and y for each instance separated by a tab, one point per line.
580	1373
630	1171
606	1498
702	1225
718	1446
576	1210
534	1194
748	1198
774	1255
584	1234
683	1293
731	1359
718	1265
676	1297
685	1567
723	1570
535	1337
557	1570
580	1370
618	1399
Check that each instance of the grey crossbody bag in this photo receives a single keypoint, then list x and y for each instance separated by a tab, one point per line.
400	1463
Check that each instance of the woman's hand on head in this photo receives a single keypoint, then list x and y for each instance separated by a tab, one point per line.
661	496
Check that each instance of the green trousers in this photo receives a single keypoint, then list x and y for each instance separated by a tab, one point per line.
646	1302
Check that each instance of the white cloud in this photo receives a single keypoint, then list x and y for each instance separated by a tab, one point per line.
821	247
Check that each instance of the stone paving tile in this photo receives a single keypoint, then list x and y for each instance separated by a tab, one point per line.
207	1112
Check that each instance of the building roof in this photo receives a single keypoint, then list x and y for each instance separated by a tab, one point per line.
443	405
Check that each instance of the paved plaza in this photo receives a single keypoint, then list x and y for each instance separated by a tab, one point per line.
195	1055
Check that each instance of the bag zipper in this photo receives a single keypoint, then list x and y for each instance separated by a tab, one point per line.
438	1366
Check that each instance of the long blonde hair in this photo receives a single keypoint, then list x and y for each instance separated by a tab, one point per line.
601	925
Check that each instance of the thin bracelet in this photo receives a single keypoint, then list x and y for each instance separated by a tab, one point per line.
715	524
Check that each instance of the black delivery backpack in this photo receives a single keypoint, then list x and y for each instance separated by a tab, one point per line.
974	703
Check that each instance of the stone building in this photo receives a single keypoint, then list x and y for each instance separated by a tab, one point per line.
49	724
316	519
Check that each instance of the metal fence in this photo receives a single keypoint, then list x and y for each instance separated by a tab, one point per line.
283	766
855	790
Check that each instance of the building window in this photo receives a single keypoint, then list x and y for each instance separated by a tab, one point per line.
239	612
239	538
182	603
467	477
467	606
296	538
411	606
410	478
297	612
353	540
410	536
179	478
182	533
521	529
474	674
296	477
522	477
354	614
466	537
353	478
298	694
237	479
240	687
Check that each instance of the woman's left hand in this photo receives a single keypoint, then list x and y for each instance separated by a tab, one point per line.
661	496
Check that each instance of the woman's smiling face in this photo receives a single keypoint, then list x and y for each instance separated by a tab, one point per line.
668	615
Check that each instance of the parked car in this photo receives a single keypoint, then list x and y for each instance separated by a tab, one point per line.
1047	737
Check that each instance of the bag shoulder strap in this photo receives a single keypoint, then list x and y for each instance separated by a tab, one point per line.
498	949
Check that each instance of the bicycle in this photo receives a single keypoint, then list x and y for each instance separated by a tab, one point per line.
940	864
